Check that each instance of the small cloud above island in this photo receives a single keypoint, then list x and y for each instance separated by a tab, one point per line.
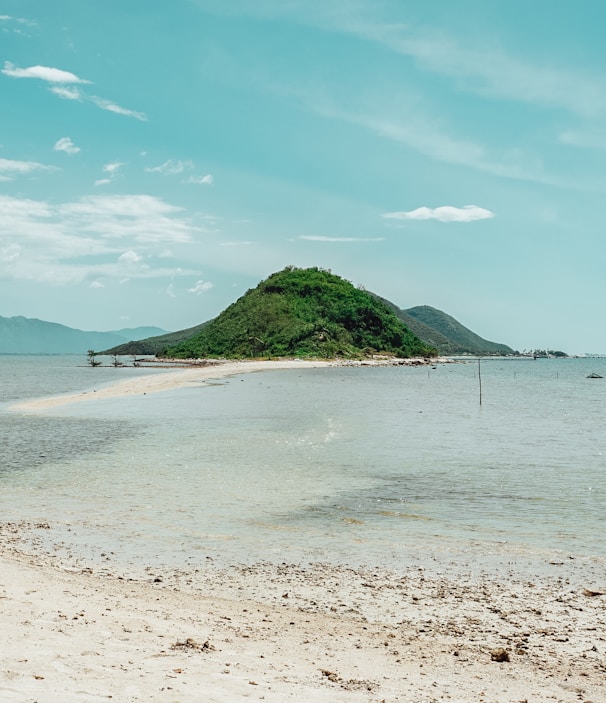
200	287
444	213
65	144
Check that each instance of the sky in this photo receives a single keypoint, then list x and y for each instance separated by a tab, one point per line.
158	159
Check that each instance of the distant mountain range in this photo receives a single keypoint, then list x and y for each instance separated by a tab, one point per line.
295	312
23	335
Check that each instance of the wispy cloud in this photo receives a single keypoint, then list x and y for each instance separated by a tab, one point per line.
129	257
15	25
113	167
200	287
67	93
96	237
62	83
482	67
444	213
65	144
10	168
45	73
490	70
590	139
171	167
340	240
206	180
117	109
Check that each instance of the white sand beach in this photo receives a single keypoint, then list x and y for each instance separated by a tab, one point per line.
278	633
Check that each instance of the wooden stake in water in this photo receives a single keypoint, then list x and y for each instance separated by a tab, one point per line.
480	379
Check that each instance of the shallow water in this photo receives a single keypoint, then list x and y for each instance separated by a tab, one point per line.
380	466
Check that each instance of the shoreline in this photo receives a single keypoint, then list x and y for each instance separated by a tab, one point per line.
279	632
80	632
196	372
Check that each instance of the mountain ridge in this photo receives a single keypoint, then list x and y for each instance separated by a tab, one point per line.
29	335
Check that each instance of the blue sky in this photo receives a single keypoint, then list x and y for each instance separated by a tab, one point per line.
158	159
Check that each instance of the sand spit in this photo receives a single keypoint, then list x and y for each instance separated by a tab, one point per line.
287	633
195	373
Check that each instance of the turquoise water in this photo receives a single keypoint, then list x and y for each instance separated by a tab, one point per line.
378	466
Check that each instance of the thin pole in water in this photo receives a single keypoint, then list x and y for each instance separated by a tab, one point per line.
480	379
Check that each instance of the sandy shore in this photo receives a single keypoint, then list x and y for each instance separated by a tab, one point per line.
194	375
74	632
158	382
283	632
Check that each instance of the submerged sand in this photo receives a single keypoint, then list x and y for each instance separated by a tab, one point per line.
73	632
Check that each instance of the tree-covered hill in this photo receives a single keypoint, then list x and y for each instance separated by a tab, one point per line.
461	340
303	313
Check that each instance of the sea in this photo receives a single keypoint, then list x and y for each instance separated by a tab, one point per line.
475	465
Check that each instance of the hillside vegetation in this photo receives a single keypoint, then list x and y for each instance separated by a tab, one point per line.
459	339
303	313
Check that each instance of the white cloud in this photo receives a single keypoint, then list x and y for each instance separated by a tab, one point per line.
67	93
45	73
65	144
588	140
200	287
21	168
117	109
144	218
170	291
61	77
445	213
113	167
202	180
96	284
17	20
171	167
93	238
129	257
339	240
103	181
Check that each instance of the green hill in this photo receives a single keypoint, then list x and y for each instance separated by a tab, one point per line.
428	334
449	336
303	313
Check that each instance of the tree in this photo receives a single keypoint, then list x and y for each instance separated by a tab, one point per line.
91	358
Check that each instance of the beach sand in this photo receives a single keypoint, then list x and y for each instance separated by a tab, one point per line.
284	632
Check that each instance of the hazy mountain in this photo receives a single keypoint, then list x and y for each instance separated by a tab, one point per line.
23	335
